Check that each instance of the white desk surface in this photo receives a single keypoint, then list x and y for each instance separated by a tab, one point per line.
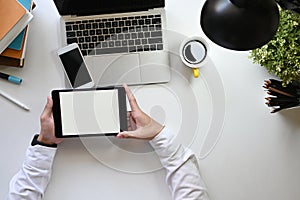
245	152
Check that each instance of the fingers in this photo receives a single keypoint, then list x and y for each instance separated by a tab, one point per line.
132	101
131	124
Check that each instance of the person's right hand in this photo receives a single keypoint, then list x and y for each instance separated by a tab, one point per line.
140	125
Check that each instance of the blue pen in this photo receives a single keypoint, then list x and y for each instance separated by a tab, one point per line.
10	78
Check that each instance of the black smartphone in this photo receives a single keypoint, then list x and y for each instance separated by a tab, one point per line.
75	67
89	112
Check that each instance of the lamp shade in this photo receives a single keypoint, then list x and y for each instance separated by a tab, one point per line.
240	24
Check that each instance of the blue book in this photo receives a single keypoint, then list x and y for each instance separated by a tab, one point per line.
17	42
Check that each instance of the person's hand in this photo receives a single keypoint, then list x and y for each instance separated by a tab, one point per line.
140	125
47	135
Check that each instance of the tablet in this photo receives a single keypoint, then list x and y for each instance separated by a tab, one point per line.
89	112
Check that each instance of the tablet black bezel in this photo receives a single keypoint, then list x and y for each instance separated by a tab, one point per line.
57	111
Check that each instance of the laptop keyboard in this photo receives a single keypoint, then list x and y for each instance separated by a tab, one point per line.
116	35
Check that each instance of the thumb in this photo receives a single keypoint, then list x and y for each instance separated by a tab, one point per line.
48	107
126	134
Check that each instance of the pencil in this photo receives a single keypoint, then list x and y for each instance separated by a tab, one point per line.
11	99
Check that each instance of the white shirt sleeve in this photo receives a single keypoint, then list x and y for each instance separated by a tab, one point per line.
31	181
181	165
182	170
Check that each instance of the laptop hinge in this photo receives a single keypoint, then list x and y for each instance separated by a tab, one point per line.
82	16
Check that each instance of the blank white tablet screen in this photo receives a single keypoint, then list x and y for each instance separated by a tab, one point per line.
89	112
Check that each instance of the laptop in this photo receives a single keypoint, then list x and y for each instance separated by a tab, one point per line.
123	41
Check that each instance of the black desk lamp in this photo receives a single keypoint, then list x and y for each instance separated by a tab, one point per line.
240	24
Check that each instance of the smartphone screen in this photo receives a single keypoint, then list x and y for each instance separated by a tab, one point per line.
89	112
75	68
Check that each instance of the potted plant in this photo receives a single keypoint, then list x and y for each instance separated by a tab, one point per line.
281	56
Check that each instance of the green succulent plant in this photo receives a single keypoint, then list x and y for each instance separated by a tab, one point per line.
281	56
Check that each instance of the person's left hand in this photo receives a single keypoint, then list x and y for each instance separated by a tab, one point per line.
47	135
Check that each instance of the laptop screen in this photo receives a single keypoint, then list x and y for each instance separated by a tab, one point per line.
94	7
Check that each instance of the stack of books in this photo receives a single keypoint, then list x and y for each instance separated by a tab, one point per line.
15	16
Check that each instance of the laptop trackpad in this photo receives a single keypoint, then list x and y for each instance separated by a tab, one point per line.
114	69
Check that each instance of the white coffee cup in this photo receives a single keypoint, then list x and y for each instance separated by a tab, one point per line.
194	53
